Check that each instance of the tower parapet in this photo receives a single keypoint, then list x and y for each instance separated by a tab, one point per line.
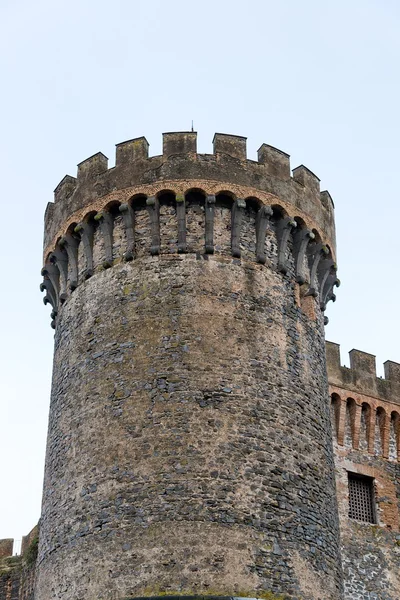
189	447
179	162
361	376
261	196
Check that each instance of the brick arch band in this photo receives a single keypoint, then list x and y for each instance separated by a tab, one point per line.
143	218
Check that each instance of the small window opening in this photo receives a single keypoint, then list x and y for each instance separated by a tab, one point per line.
361	498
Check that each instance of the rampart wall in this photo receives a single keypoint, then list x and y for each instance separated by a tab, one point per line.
17	572
365	414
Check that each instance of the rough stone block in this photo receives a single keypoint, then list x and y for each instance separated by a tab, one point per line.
131	150
276	162
6	547
92	166
234	145
180	142
306	178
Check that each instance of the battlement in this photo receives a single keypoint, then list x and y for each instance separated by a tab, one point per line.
361	376
179	162
6	547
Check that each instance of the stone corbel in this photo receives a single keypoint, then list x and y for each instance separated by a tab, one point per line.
330	281
71	243
128	217
106	222
51	274
181	218
154	212
51	296
86	231
263	216
301	239
316	253
209	224
237	216
284	228
60	259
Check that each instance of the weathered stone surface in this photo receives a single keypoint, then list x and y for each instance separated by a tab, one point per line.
366	433
189	446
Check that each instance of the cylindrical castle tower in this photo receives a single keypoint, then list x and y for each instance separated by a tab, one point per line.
189	448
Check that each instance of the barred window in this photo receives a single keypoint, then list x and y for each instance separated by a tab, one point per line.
361	498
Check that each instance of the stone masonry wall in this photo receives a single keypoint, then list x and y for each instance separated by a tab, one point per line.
189	447
365	418
17	572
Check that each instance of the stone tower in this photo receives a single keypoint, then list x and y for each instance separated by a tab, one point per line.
189	448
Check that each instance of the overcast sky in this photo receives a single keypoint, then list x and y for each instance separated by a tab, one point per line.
317	79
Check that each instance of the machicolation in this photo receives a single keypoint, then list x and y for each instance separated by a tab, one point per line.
173	203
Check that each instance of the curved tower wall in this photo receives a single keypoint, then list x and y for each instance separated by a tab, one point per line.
189	448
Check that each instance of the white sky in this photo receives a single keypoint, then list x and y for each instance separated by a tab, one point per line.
319	80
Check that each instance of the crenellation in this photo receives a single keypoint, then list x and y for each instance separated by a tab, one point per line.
234	146
65	188
361	377
181	142
179	161
91	167
306	178
327	201
363	366
276	162
131	151
6	547
392	371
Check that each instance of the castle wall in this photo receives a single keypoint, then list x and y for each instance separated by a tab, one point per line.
189	447
169	441
17	573
365	427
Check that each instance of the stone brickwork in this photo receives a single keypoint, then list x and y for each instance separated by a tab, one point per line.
17	573
6	547
189	447
365	424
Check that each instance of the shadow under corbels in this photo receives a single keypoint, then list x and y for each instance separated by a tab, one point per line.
193	222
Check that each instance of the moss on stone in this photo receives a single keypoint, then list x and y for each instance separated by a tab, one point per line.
30	555
10	563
